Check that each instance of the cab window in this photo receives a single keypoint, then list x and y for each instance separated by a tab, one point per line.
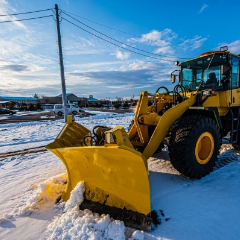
212	77
203	73
235	72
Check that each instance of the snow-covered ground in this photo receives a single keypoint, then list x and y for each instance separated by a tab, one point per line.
23	113
203	209
17	136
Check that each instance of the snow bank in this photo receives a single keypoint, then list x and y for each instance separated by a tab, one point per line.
76	196
77	224
137	235
36	196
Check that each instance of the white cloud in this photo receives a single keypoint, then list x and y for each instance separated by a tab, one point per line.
122	55
156	38
233	47
193	43
162	39
138	65
94	64
153	36
203	8
165	50
6	8
77	45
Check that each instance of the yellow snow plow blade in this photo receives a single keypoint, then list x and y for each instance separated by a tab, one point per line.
115	175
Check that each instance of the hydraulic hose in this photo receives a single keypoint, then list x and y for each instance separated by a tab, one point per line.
164	88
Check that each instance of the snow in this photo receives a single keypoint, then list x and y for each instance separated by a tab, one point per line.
17	173
23	113
77	224
76	197
37	195
201	209
137	235
36	134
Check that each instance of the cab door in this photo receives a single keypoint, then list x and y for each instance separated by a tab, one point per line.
234	81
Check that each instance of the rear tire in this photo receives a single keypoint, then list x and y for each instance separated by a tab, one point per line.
74	112
194	146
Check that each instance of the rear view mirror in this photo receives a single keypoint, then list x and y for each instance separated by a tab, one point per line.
225	68
173	78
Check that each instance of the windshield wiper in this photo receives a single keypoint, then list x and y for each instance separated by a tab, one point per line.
200	84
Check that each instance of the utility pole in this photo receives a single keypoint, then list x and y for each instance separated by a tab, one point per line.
64	96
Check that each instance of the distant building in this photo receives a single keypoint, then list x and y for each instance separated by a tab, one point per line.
93	102
50	100
71	98
4	104
27	100
105	103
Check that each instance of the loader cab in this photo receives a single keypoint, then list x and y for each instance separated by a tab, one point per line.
214	70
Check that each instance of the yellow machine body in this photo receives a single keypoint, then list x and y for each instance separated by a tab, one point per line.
222	100
115	170
114	174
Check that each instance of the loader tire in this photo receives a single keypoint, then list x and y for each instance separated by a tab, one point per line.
194	146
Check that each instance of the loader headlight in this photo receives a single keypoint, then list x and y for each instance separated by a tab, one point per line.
208	92
205	93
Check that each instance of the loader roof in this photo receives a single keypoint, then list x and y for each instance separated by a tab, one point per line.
214	52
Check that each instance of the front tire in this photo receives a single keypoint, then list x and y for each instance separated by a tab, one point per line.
74	112
194	146
60	113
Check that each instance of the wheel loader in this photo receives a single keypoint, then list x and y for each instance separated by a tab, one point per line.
191	120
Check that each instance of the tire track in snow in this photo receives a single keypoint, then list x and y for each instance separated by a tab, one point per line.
23	152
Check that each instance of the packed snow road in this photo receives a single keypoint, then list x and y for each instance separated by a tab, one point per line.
203	209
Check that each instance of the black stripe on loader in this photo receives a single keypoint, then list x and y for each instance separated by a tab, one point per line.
130	218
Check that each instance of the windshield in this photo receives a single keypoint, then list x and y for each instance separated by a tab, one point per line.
58	106
206	70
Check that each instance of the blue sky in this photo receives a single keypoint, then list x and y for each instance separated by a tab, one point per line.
179	29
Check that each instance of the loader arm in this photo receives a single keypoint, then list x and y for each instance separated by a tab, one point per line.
167	119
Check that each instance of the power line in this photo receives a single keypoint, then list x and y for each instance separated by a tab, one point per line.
19	20
120	41
14	14
102	24
116	44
